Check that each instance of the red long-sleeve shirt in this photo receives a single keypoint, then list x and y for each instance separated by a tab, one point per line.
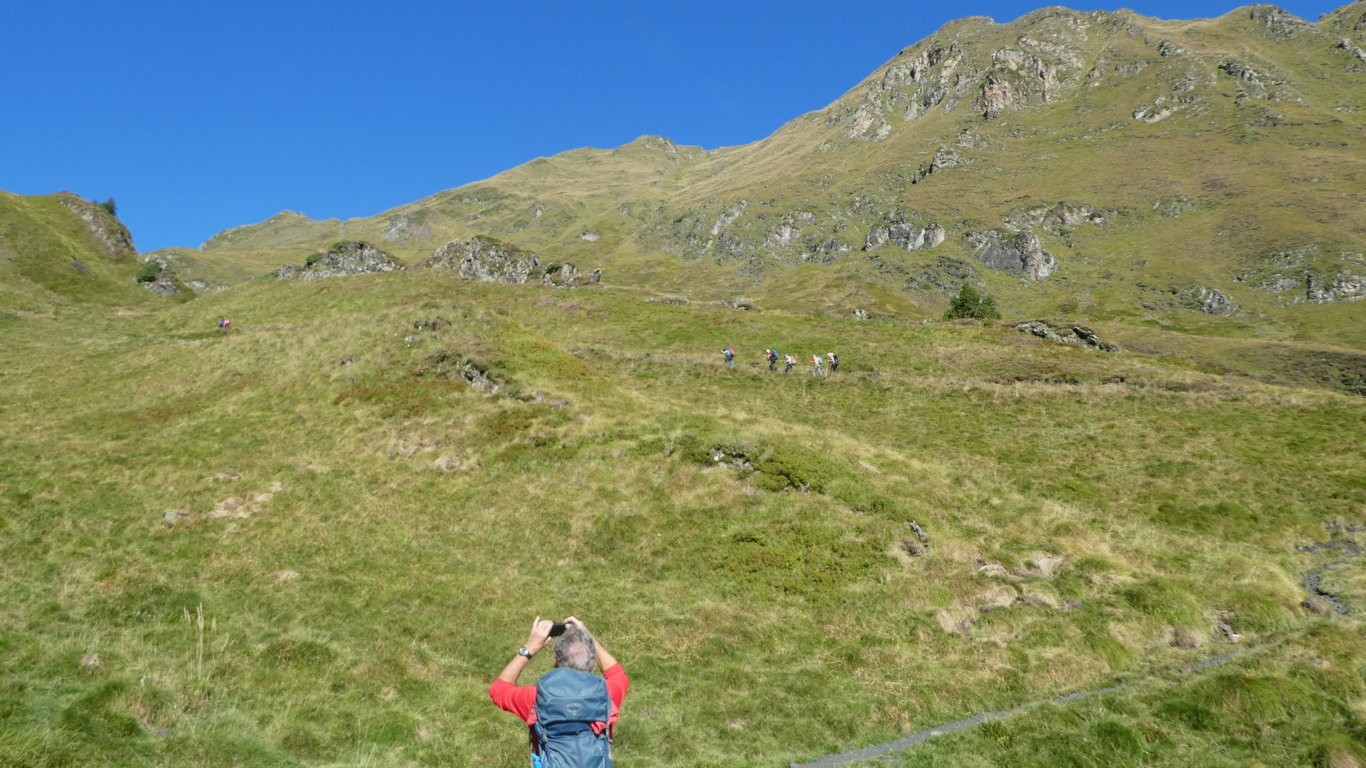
520	700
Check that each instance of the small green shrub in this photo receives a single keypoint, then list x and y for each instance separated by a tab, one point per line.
971	304
149	272
799	468
314	258
111	207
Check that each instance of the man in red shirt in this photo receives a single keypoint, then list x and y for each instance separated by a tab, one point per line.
575	649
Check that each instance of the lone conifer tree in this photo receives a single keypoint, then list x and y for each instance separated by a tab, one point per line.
970	303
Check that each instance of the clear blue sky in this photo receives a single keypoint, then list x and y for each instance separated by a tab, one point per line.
198	116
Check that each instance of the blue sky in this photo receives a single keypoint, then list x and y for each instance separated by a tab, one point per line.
199	116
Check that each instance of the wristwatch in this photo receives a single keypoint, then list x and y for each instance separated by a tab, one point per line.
524	651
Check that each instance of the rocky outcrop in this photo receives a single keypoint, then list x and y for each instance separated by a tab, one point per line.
904	234
1022	77
407	227
1213	302
1340	287
1075	335
487	260
1019	253
344	259
1307	274
1062	216
1258	85
103	226
568	276
158	278
946	275
1278	24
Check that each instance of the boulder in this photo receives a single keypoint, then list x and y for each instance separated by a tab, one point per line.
568	276
1340	287
1019	254
900	232
487	260
1076	335
344	259
1212	302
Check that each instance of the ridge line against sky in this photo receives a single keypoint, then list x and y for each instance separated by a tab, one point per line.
197	117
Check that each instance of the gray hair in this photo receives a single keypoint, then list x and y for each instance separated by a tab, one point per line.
574	649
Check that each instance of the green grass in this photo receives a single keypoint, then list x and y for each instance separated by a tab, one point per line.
360	600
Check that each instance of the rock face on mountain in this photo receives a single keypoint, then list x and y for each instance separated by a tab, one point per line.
349	258
487	260
407	227
107	230
904	234
1019	254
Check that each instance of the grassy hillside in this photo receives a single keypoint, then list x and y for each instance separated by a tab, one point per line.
311	542
51	257
1198	176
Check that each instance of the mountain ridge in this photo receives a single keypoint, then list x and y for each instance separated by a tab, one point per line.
1107	165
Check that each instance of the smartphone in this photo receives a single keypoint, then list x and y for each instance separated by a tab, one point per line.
556	629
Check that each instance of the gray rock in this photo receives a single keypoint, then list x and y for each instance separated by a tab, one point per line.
568	276
1278	23
406	227
861	314
1213	302
345	259
900	232
1063	215
1076	335
1019	254
1340	287
103	226
487	260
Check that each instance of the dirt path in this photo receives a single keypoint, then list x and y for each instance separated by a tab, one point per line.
1341	551
878	751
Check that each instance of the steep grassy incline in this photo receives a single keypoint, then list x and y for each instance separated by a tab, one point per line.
60	250
315	540
1201	176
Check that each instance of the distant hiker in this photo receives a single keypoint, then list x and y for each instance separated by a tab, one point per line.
788	362
227	324
815	365
570	712
772	356
834	362
220	322
729	355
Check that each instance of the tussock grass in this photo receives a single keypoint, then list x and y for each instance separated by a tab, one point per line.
395	529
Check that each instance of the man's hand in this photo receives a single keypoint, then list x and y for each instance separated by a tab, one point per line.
571	621
540	634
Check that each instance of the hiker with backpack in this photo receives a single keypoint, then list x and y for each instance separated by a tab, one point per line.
570	712
834	362
788	362
728	355
771	355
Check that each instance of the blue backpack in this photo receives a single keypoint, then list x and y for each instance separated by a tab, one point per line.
568	702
